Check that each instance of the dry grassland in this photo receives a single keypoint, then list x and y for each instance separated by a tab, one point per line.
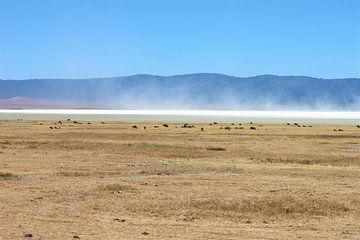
110	181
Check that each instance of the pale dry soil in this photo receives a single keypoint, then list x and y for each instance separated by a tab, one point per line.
109	181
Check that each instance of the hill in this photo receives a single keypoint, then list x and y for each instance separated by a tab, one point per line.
190	91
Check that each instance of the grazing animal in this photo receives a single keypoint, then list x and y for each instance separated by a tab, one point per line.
202	129
227	128
358	126
221	127
102	122
165	125
210	124
335	130
215	123
232	124
144	127
251	122
156	126
341	130
68	119
60	122
51	128
134	127
186	125
236	128
241	127
288	124
253	128
75	122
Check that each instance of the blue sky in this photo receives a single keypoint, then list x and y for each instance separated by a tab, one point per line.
103	38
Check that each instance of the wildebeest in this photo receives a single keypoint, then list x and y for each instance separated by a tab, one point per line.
251	122
341	130
202	129
60	122
144	127
156	126
134	127
165	125
75	122
215	123
51	128
358	126
253	128
186	125
241	127
227	128
102	122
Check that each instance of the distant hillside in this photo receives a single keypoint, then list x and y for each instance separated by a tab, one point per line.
191	91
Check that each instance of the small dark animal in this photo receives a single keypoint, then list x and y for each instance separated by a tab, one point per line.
75	122
215	123
156	126
288	124
51	128
358	126
236	128
60	122
335	130
227	128
253	128
241	127
232	124
102	122
165	125
202	129
134	127
251	122
341	130
144	127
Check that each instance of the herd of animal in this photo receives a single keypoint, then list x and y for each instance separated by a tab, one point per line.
187	125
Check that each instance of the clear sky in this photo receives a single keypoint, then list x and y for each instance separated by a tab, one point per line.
103	38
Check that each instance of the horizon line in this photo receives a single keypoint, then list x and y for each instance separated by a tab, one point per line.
177	75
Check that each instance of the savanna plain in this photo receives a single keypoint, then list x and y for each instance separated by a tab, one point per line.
112	180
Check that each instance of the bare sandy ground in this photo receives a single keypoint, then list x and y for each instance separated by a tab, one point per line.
110	181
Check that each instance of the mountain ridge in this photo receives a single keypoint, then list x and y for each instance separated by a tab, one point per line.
197	90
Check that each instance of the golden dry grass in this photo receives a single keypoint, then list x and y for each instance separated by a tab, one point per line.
277	182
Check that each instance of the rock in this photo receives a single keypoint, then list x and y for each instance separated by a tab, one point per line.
119	220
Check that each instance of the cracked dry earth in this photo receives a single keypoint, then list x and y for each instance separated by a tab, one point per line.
110	181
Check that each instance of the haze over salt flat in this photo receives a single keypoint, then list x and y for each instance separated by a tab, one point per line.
305	117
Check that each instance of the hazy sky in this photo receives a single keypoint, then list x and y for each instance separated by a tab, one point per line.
101	38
